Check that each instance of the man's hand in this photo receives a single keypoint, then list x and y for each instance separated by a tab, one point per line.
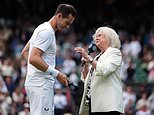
62	78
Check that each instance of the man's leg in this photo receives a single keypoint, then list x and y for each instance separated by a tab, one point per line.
41	100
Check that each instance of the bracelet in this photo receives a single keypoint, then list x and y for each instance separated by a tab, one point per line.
91	60
52	71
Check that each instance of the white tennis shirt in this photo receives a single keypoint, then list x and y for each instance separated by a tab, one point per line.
44	39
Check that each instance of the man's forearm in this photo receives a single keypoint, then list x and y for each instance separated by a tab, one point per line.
38	62
25	55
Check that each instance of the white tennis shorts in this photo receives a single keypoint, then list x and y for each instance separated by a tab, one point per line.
41	99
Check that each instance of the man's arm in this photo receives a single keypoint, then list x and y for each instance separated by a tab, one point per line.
25	51
36	60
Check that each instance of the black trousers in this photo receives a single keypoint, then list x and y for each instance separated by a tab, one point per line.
106	113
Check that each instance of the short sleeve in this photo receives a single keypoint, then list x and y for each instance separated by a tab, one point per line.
43	40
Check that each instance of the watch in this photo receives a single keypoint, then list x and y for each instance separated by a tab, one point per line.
91	60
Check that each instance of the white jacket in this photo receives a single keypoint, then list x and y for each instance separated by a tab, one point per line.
106	87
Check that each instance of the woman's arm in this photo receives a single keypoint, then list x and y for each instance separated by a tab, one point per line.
85	71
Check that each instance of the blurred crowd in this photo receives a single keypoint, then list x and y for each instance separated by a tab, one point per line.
136	32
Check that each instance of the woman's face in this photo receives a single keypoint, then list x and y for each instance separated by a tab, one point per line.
101	41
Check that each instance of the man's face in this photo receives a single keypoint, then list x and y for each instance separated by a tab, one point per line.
64	23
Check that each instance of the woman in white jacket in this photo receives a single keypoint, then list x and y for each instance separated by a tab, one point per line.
102	90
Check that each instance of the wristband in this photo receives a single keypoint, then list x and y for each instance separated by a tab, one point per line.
52	71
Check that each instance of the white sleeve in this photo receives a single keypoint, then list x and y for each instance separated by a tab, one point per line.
110	64
43	40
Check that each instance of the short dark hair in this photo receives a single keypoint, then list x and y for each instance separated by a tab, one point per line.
66	9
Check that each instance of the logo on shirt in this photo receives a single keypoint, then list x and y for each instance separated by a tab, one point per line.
51	73
46	109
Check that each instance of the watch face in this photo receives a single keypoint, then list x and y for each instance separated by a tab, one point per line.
91	60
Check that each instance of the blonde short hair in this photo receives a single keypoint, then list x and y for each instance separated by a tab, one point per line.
111	35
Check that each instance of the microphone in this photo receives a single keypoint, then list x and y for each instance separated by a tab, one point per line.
91	48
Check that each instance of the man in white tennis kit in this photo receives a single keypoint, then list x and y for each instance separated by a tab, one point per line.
40	52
